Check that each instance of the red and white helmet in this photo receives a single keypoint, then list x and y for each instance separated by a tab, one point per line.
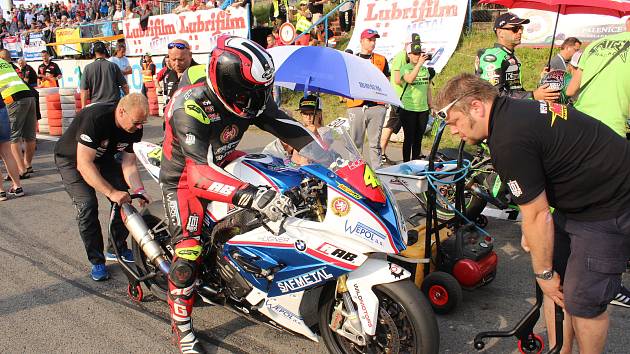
240	73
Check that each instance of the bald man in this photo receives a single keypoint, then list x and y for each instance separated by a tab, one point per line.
180	59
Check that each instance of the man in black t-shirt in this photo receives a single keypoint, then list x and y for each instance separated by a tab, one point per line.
48	72
88	155
551	155
102	80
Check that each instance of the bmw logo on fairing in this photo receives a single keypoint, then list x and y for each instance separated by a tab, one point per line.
300	245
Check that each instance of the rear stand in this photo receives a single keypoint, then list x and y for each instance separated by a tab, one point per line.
528	342
134	288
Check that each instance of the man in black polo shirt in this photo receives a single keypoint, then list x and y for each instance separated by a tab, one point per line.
88	155
551	155
102	80
48	72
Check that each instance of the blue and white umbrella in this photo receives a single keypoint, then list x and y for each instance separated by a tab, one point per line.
321	69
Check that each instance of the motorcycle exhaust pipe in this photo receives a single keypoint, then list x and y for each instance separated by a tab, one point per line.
142	235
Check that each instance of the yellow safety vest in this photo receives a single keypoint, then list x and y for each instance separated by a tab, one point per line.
303	24
276	7
146	78
10	82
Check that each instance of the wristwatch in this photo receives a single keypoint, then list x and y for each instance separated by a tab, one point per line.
545	275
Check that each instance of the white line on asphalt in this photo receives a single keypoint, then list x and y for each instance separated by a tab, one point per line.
47	137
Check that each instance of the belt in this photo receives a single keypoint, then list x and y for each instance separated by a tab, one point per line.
16	97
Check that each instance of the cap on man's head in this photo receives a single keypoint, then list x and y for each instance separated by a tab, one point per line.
414	48
369	33
99	47
310	103
412	37
509	18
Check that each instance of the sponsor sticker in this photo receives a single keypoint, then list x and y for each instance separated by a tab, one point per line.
362	306
515	188
86	138
304	280
190	139
365	232
335	252
396	270
558	111
349	191
192	109
229	133
340	206
300	245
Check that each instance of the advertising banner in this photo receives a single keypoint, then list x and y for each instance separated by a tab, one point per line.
439	23
586	28
32	46
70	35
13	45
199	28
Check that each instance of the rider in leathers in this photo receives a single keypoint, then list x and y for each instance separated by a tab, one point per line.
205	121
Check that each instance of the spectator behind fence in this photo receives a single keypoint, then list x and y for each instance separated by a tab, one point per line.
48	72
304	18
182	7
561	60
368	116
316	7
346	14
279	12
20	102
102	80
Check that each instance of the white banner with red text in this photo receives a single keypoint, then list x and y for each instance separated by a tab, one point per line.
439	23
586	28
199	28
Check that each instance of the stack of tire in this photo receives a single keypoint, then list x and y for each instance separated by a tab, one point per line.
68	106
50	108
154	107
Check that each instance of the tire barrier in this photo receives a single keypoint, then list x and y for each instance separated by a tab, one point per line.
68	106
154	107
50	107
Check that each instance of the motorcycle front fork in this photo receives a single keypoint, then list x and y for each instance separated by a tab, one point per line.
345	318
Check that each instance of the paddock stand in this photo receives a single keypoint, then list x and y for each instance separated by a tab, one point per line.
528	342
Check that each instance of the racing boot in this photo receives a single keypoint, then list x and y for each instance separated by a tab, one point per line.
181	302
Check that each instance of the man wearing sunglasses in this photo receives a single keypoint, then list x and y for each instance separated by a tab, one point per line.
552	155
180	58
94	155
500	66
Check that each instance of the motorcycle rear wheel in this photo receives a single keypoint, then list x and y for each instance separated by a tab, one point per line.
159	284
405	323
474	205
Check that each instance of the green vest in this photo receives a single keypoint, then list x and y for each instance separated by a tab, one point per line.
10	82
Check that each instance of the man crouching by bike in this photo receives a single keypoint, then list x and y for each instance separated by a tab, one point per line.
205	121
96	154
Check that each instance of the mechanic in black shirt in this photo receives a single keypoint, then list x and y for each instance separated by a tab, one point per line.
87	157
551	155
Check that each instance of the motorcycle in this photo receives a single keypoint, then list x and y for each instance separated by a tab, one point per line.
482	187
321	271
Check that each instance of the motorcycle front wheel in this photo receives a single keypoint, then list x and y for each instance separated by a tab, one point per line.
159	284
405	323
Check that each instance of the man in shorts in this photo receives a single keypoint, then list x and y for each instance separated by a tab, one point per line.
552	155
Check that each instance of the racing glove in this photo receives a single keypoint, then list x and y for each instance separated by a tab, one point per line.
267	201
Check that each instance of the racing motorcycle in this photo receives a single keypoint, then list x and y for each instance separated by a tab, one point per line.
321	271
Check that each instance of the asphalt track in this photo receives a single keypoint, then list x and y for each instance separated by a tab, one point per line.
48	303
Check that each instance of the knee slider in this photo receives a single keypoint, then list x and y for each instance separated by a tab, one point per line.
183	273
